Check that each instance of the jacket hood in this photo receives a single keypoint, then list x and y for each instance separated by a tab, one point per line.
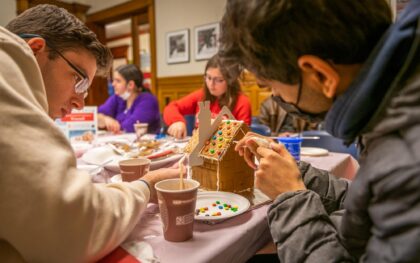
383	75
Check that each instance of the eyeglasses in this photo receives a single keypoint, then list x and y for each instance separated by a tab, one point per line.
210	79
82	85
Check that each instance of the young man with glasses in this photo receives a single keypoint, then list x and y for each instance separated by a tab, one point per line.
50	211
338	60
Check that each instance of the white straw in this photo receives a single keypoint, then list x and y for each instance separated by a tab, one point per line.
181	177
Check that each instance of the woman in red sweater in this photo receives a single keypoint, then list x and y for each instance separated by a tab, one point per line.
220	89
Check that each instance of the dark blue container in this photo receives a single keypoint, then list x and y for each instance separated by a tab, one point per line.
292	144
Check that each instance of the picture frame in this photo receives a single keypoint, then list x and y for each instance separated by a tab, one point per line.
177	46
206	39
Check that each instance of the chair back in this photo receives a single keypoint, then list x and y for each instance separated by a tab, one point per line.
260	129
190	119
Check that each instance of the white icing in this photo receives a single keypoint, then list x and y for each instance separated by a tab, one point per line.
217	176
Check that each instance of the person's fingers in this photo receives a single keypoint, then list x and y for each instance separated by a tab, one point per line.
281	149
242	142
170	130
252	146
115	128
175	165
183	131
249	158
175	134
240	145
264	152
178	133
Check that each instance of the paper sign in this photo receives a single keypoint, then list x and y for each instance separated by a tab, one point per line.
80	125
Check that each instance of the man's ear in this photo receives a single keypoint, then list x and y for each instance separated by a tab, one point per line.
37	44
320	73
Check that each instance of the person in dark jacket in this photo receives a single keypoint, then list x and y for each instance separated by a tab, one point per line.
344	62
281	124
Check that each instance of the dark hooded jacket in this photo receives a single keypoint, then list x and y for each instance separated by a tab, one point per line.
377	218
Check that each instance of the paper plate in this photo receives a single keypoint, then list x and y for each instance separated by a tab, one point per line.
313	151
123	138
209	198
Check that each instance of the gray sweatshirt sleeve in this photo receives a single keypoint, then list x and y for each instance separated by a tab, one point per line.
331	190
304	224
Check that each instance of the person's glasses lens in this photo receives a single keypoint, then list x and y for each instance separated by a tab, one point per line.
82	86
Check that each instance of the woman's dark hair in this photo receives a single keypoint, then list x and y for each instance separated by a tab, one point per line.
62	31
132	72
268	36
231	77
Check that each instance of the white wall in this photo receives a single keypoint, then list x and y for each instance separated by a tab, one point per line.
173	15
7	11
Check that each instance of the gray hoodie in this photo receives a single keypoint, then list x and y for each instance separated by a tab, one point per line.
377	218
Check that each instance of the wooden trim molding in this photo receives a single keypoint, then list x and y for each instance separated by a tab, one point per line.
121	11
79	10
174	88
126	36
119	52
180	81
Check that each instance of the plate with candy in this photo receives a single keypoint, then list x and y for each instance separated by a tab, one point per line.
215	205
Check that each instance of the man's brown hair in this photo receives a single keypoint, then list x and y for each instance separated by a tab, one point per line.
62	31
268	36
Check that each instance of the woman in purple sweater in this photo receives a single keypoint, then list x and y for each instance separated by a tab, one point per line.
131	103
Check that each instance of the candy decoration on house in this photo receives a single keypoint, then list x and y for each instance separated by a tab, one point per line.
213	160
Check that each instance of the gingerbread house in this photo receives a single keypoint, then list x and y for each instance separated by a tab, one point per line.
213	160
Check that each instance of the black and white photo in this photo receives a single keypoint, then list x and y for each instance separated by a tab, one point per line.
206	41
177	46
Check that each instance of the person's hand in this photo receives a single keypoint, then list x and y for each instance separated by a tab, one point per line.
248	148
155	176
178	130
277	171
112	125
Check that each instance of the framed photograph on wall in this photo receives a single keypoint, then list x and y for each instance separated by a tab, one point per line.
206	39
177	47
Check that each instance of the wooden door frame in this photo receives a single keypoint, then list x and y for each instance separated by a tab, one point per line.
141	12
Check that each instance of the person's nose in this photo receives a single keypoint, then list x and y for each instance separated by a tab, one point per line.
212	82
78	102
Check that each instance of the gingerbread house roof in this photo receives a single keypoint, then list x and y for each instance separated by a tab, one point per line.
219	142
192	142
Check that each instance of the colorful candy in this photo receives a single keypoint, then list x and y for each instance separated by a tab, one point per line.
220	206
